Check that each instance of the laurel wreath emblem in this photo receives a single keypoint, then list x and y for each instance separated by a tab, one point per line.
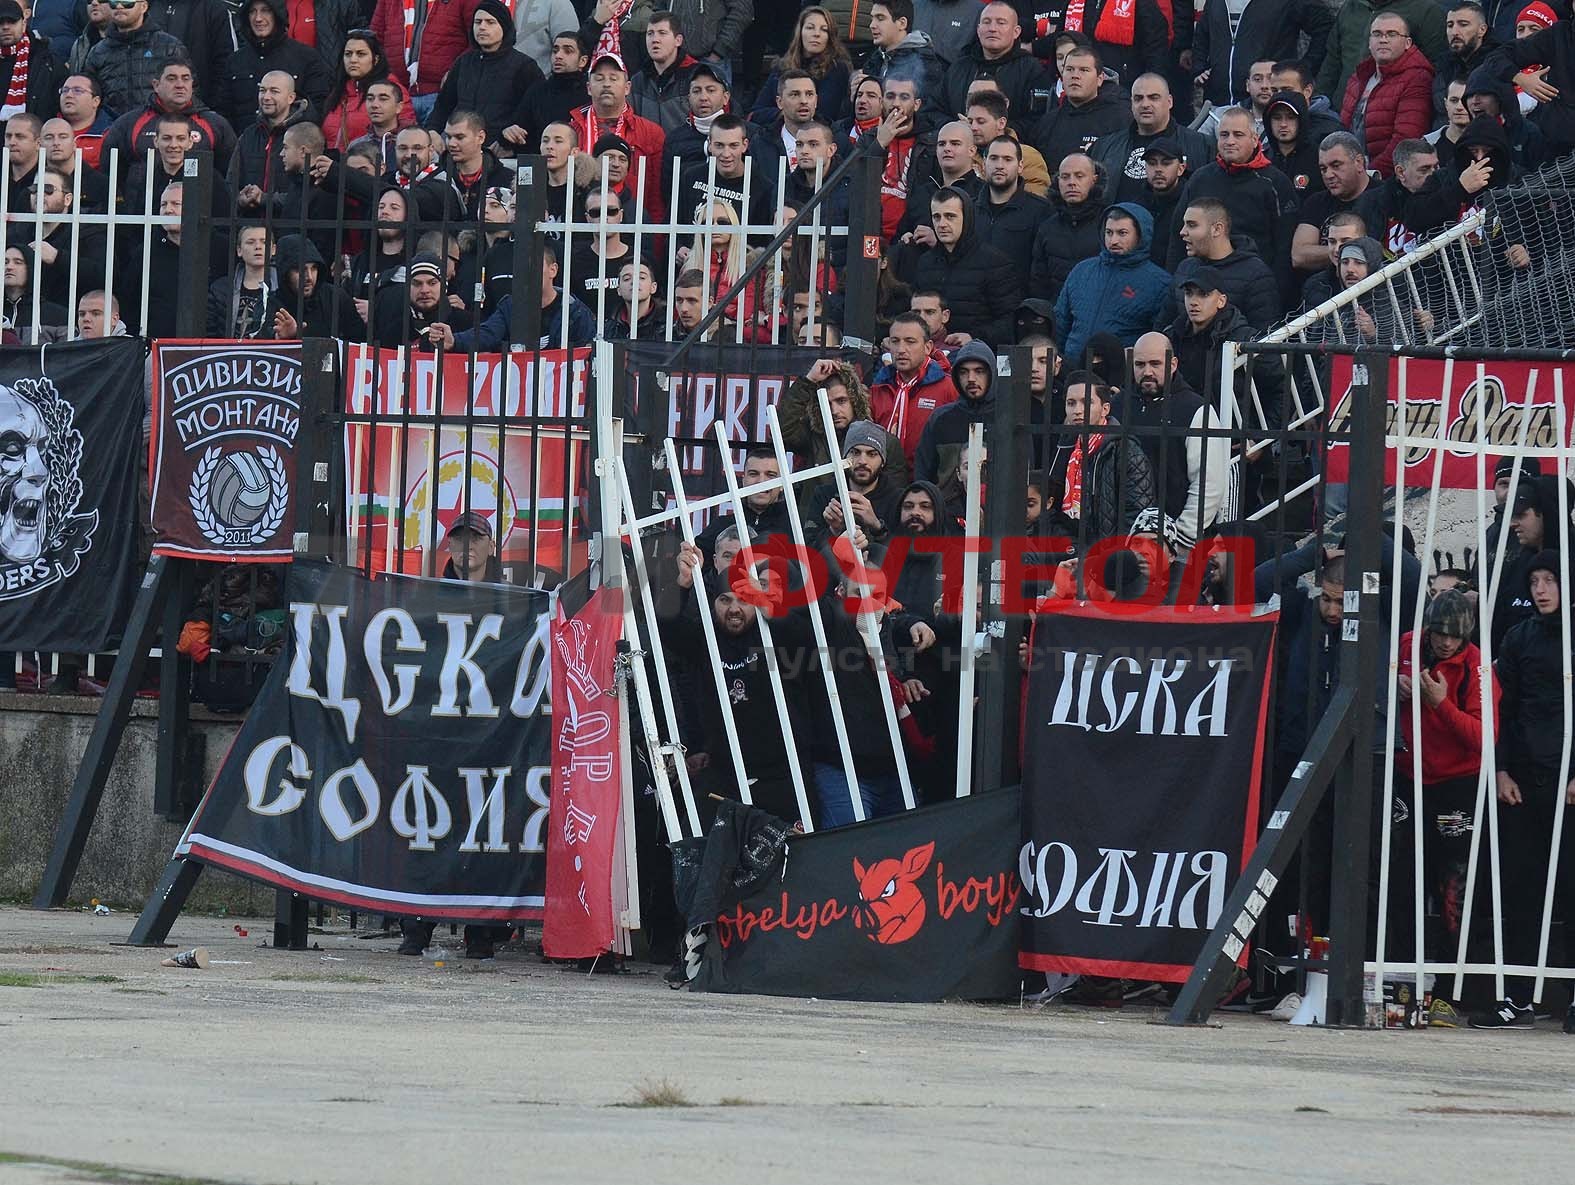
63	455
272	516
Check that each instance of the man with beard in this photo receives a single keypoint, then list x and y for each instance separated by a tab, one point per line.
1190	470
798	415
555	97
1122	152
1164	170
979	282
986	114
1007	215
765	752
1208	239
401	316
1471	42
305	304
1289	143
1347	185
873	496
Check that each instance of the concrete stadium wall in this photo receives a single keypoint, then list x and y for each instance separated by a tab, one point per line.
41	743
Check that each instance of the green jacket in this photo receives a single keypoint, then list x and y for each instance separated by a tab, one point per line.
1348	39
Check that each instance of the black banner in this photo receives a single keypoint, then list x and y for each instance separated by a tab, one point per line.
225	419
70	420
400	759
1140	795
915	907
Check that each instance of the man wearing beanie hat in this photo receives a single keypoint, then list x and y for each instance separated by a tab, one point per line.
1439	721
873	494
1529	755
1543	64
402	315
1530	468
490	76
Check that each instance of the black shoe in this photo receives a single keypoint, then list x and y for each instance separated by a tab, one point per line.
417	937
1569	1019
1508	1015
480	949
412	945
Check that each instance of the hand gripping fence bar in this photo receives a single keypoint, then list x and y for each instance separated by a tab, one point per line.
817	623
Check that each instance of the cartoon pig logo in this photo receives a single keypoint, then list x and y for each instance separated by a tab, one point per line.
890	902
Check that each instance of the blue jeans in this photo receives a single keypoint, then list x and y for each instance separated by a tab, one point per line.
422	106
881	794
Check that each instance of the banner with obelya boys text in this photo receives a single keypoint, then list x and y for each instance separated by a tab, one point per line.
919	906
225	419
399	756
70	419
1144	736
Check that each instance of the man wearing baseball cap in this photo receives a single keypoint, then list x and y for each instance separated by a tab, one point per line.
1550	52
609	112
472	554
1123	152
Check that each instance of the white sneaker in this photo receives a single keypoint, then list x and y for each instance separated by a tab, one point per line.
1287	1007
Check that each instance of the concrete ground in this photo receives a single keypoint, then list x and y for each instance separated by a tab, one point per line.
351	1065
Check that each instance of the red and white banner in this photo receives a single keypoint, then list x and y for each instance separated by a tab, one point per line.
406	482
582	824
1484	402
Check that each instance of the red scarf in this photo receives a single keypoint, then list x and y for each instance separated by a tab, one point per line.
16	93
1258	161
1117	23
897	422
591	127
1072	503
860	126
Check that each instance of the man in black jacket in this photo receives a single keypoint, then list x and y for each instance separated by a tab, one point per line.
305	304
131	55
401	315
1206	235
203	27
1073	231
765	511
1530	667
1263	203
1131	37
1190	470
944	442
1471	43
1008	216
997	54
873	493
553	98
490	76
256	169
1090	107
472	170
266	45
1289	143
1122	152
978	281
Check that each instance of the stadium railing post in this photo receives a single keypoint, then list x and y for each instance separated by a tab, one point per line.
530	210
191	310
861	273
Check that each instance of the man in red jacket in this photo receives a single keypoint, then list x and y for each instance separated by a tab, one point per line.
911	387
422	38
1390	97
1440	736
609	113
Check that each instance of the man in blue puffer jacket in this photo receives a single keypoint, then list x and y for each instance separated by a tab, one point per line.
1119	291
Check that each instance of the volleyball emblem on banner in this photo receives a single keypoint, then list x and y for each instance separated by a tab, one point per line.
238	498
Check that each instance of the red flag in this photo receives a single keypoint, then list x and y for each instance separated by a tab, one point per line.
586	787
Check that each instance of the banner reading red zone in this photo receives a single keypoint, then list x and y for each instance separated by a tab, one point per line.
582	825
1484	401
407	481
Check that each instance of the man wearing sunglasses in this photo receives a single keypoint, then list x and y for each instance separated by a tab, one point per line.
131	55
30	75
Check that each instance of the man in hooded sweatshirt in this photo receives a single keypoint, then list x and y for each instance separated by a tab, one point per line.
1289	143
945	438
266	45
1529	755
1482	162
900	48
980	284
1534	529
306	304
490	76
1120	291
